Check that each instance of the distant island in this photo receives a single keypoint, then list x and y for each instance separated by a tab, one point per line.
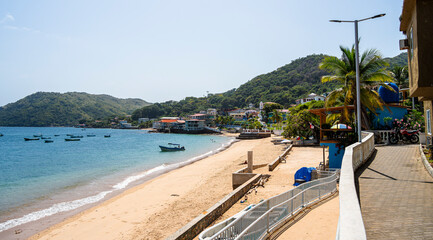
44	109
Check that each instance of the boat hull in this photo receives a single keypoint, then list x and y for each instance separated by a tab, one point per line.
72	139
171	149
31	139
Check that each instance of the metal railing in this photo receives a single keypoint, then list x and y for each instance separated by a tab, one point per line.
263	217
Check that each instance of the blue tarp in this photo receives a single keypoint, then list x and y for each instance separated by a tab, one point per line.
303	173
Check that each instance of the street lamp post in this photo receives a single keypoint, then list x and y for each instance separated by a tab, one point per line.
358	85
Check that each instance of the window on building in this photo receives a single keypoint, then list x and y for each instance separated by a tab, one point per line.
428	127
410	36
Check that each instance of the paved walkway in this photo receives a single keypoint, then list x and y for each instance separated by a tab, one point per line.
396	195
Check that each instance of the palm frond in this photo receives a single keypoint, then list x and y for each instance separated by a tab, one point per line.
334	98
330	78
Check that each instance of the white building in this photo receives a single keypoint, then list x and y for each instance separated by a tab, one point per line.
212	111
309	98
194	125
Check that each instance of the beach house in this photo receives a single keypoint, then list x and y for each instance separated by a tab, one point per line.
416	22
309	98
238	114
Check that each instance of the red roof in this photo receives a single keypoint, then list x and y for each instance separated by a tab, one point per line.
168	120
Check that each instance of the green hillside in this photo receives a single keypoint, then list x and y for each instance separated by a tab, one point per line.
56	109
399	60
284	85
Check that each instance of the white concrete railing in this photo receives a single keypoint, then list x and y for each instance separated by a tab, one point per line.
350	223
382	136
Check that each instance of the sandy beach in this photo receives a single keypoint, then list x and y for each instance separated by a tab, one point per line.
158	208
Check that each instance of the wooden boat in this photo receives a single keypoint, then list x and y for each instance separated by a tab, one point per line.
45	137
107	135
37	135
173	148
31	139
72	139
76	136
91	135
69	135
49	141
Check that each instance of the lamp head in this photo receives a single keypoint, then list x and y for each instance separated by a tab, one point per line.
379	15
337	21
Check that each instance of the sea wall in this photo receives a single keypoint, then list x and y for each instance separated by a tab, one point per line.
197	225
280	158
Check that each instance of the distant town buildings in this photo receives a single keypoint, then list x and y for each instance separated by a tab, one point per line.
309	98
143	120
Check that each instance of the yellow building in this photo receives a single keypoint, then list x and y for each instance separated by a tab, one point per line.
416	22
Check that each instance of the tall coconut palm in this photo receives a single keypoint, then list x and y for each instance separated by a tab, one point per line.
372	72
400	75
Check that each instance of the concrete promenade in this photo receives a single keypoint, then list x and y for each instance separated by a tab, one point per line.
396	194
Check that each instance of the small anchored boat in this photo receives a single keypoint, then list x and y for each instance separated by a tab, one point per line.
173	147
45	137
107	135
91	135
72	139
31	139
49	141
77	136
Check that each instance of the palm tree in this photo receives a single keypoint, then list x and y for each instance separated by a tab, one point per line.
372	72
277	117
400	75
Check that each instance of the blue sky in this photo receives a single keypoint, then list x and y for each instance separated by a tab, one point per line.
168	50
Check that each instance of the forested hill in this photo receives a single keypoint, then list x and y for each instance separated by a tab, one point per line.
56	109
399	60
284	85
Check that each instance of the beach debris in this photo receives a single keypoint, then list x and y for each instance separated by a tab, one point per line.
18	231
262	181
174	195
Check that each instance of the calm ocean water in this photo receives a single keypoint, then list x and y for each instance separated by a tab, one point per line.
40	179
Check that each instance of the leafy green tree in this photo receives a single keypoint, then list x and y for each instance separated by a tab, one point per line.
301	122
400	75
373	72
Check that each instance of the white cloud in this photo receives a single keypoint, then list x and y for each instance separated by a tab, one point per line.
25	29
10	18
7	18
